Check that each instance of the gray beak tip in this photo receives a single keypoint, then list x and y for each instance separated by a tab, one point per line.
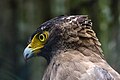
28	53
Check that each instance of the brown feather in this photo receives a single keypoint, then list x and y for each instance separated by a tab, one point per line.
73	65
79	55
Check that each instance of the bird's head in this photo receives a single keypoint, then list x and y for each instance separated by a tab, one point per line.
41	42
60	32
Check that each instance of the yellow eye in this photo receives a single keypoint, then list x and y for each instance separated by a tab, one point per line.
42	37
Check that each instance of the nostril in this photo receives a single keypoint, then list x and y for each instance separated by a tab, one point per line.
29	47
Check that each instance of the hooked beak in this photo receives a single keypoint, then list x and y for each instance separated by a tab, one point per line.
28	53
31	51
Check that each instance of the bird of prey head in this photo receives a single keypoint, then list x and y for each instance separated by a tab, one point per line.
62	32
71	49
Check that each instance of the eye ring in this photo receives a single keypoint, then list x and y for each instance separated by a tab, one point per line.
42	37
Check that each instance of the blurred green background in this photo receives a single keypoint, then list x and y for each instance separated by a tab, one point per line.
20	18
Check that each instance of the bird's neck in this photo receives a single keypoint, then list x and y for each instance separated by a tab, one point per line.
87	47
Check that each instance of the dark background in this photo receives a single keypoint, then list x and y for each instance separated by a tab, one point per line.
20	18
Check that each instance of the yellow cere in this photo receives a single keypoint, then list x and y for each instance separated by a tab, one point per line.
38	41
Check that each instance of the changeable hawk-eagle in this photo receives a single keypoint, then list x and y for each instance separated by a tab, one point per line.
71	49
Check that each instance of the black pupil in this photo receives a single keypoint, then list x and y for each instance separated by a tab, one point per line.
41	37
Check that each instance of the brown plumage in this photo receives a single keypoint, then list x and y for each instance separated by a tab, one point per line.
73	51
